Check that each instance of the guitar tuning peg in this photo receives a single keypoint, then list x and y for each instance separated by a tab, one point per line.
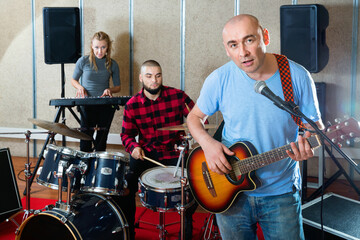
346	116
334	140
337	120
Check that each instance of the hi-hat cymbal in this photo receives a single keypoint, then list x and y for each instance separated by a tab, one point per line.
60	128
183	127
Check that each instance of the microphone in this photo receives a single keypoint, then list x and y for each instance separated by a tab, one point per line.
262	88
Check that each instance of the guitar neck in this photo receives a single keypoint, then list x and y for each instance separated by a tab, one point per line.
261	160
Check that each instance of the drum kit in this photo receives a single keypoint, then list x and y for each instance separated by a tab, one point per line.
94	178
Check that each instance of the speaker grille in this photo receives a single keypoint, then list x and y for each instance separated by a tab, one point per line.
302	30
61	35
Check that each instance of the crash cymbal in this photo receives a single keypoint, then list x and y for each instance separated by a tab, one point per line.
60	128
183	127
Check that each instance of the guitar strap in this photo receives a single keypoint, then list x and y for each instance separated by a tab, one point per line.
286	83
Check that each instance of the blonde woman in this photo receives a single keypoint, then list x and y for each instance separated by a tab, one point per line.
96	70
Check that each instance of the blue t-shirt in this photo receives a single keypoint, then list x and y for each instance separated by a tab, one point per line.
95	82
252	117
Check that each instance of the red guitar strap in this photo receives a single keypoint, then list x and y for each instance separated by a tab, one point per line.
286	83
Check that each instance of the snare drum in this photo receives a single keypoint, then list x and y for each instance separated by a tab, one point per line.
161	191
106	173
64	156
92	217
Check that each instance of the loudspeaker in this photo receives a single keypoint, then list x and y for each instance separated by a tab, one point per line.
302	33
10	201
62	42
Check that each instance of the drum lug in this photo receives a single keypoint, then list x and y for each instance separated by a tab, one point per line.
165	201
116	230
143	196
83	167
93	181
45	153
82	181
63	220
48	176
39	171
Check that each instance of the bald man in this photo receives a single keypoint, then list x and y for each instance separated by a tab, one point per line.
252	118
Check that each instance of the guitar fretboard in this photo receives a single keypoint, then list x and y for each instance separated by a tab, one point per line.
264	159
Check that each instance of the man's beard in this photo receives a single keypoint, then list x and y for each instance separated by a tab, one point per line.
152	91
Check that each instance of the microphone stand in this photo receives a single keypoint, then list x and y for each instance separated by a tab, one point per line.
296	111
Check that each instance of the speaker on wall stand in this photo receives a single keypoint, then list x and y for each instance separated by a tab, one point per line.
303	35
62	41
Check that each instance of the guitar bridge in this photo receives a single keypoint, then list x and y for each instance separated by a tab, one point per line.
207	179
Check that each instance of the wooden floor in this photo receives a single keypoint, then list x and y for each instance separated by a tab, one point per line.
341	187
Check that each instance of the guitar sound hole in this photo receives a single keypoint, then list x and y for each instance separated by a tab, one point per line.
233	177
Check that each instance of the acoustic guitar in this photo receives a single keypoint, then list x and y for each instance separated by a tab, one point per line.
216	193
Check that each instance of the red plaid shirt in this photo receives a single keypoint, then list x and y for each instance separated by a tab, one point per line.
142	117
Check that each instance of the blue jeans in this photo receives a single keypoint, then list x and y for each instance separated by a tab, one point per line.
279	217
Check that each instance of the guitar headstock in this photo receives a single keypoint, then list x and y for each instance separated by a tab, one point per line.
344	131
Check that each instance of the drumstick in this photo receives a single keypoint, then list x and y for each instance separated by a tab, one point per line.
187	107
153	161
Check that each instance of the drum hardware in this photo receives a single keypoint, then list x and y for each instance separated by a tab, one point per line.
210	230
60	128
27	211
161	192
92	216
183	147
54	128
55	165
161	225
105	174
70	174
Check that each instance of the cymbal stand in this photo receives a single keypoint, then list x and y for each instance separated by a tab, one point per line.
210	230
27	171
183	147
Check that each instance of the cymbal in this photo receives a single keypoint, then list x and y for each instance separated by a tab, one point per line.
183	127
60	128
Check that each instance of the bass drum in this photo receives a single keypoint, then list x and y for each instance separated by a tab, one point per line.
92	217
